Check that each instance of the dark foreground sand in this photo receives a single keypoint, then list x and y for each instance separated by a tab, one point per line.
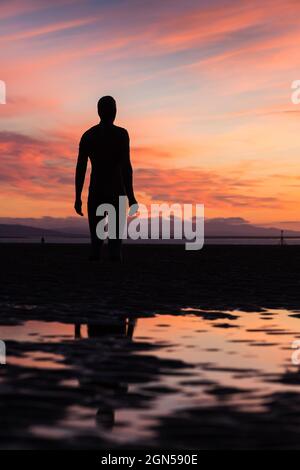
222	378
151	278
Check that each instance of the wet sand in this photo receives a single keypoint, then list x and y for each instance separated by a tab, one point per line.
174	349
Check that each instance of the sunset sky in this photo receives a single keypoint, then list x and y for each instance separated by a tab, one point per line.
203	87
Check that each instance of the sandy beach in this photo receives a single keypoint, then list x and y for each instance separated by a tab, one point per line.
173	349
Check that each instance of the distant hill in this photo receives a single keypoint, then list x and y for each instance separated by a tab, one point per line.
239	227
70	228
24	231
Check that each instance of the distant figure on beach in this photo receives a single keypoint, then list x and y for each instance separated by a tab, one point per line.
107	147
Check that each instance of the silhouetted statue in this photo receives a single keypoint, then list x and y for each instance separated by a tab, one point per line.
107	147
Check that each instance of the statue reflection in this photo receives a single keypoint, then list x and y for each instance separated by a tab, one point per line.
106	391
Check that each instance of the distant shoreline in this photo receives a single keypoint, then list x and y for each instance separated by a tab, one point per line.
214	241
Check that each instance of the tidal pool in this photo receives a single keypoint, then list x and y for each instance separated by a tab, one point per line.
204	378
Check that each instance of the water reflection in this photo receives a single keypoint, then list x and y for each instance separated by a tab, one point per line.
162	379
107	390
121	327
